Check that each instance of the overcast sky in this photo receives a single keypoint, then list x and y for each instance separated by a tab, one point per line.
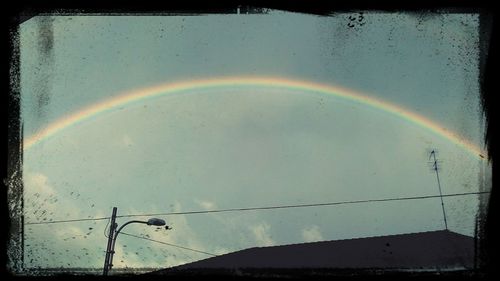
242	147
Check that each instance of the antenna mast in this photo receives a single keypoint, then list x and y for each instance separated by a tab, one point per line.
435	168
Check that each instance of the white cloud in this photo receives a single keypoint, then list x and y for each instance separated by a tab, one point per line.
171	261
182	234
43	202
64	244
37	183
131	260
206	204
312	234
262	235
40	197
221	251
126	140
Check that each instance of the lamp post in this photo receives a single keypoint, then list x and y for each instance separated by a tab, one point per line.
108	262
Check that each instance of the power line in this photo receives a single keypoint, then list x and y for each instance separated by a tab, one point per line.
73	220
301	205
269	207
105	228
169	244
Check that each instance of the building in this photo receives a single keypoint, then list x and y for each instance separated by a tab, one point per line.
426	251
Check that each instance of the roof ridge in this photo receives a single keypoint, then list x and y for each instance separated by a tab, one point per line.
358	238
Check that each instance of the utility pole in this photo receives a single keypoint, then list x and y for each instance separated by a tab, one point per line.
435	167
110	250
113	234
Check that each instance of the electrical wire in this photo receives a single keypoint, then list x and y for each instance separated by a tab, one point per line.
73	220
267	207
105	228
300	205
169	244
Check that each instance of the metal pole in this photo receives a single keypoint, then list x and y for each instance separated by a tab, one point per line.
440	193
107	263
112	252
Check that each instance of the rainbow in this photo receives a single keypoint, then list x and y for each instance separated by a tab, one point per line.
298	85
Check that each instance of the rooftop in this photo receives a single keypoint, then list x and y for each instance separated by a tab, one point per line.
443	250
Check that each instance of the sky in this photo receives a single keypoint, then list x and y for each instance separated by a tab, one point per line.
233	146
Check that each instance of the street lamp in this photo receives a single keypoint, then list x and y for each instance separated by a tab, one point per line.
108	262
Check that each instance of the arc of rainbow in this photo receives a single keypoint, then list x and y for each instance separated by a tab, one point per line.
165	89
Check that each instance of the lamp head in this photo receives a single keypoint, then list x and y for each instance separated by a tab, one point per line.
157	222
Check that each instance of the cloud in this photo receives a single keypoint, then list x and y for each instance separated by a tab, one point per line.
221	251
41	200
205	204
38	184
64	244
262	235
126	141
182	234
312	234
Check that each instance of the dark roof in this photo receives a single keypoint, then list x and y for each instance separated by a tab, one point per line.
427	250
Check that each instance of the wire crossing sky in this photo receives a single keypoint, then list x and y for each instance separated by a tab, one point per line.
181	247
228	116
264	208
